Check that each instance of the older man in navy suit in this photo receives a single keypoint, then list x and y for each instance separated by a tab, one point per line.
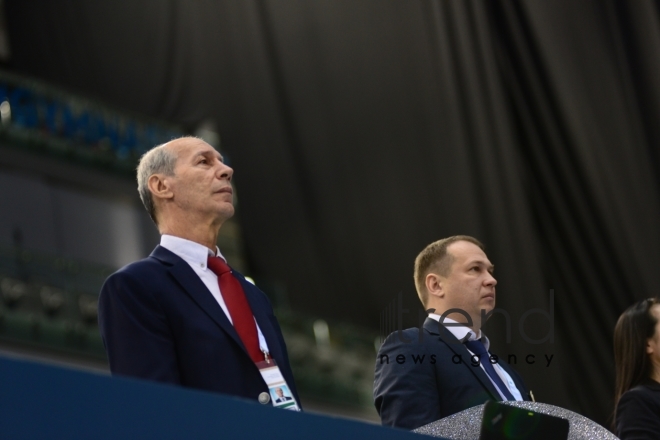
182	316
423	375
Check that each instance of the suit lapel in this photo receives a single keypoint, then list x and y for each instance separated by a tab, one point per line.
517	380
195	288
446	337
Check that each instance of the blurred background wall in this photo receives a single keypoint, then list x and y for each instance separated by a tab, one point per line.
362	130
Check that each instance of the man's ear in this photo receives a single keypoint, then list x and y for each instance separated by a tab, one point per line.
649	347
159	186
434	285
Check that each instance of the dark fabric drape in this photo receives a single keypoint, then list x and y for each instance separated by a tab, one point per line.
362	130
581	86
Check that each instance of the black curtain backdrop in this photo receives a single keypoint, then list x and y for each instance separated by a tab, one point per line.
362	130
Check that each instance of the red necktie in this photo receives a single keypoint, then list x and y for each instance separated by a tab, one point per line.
238	306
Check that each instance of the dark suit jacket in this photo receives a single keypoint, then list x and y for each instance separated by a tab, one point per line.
158	321
418	382
638	413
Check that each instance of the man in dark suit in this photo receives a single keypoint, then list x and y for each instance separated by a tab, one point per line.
423	375
182	316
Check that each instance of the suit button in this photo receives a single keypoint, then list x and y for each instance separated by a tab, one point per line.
264	398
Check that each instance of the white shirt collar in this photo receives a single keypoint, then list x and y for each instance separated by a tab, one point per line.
193	253
461	331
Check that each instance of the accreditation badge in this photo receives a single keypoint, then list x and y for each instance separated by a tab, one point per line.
280	394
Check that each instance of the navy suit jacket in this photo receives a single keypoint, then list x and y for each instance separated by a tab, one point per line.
158	321
418	382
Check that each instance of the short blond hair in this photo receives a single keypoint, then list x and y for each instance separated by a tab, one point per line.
435	257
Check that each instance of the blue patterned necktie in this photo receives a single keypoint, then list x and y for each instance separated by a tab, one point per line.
478	348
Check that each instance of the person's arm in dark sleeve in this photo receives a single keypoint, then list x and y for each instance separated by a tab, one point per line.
638	416
135	331
405	393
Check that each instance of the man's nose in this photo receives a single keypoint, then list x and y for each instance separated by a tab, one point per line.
490	280
225	172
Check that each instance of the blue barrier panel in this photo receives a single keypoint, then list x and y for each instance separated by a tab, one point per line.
43	402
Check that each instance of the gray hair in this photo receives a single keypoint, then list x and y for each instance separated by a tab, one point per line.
158	160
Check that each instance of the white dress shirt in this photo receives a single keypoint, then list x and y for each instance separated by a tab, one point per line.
196	255
460	332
